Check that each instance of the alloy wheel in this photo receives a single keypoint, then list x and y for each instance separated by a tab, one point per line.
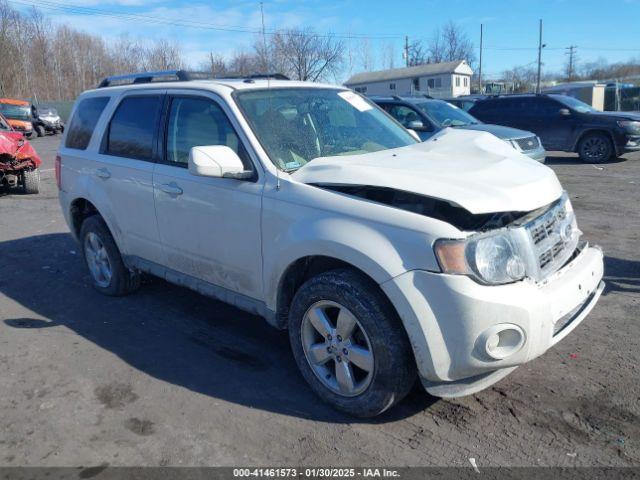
97	260
337	348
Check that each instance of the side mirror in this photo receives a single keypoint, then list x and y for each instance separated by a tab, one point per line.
565	112
216	161
414	134
415	125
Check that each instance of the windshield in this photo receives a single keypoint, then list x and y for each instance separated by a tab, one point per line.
446	115
47	112
297	125
4	125
15	112
575	104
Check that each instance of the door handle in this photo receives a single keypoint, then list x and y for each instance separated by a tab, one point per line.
102	173
170	188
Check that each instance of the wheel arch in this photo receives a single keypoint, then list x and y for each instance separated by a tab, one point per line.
593	130
302	269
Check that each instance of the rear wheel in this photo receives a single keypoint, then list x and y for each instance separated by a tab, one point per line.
349	343
595	148
31	181
108	272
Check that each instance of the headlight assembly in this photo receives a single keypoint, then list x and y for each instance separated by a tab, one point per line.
630	126
491	259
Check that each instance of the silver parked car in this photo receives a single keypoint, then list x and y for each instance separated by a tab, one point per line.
427	116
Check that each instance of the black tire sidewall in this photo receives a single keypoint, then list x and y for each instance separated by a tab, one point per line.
122	280
394	365
31	181
601	136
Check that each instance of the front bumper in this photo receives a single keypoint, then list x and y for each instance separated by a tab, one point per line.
447	318
632	144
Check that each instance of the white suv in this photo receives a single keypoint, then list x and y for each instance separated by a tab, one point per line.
454	260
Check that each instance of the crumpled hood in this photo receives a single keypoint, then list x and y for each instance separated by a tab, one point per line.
474	170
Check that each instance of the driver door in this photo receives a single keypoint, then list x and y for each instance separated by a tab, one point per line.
209	227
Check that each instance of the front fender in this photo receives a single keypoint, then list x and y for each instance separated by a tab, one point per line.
350	242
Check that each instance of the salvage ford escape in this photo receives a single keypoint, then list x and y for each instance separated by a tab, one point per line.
452	261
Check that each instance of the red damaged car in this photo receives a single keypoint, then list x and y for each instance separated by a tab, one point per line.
19	162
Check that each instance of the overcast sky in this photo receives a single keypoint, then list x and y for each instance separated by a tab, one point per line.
601	29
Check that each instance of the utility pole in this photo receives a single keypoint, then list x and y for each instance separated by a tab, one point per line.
480	69
406	50
571	51
540	47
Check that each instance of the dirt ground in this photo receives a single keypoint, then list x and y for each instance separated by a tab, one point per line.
168	377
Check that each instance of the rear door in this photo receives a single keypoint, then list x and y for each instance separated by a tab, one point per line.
209	227
556	131
123	172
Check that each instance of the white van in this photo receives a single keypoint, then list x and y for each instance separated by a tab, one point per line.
452	261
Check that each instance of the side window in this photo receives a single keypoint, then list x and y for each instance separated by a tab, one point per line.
546	107
457	81
84	122
403	114
431	83
198	122
132	127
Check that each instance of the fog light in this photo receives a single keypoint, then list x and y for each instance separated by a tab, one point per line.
502	341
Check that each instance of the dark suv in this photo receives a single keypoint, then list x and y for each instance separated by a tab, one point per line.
565	123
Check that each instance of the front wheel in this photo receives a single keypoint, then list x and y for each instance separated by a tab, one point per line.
40	131
595	148
350	344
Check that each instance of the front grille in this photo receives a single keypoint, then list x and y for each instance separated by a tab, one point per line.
528	143
554	236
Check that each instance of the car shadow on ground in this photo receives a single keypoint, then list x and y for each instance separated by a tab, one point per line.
168	332
621	275
575	160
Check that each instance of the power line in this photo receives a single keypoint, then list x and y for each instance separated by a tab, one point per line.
88	11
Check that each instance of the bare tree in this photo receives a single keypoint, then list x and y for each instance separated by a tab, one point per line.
522	79
450	43
387	55
214	64
308	56
417	54
164	55
366	59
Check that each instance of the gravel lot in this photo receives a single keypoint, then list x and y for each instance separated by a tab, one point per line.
167	377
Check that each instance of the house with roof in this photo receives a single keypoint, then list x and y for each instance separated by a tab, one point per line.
439	80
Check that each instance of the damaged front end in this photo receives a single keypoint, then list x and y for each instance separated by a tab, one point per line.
436	208
17	156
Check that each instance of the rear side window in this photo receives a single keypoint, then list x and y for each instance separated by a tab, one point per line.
133	126
84	122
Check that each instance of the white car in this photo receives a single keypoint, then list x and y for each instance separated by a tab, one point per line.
454	260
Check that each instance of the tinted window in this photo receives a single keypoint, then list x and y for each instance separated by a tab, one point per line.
84	121
132	127
199	122
545	106
404	115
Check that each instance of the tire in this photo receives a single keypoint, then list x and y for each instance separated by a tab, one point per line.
95	238
595	148
391	366
40	131
31	181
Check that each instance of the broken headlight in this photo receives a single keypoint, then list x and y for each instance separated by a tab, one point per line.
491	259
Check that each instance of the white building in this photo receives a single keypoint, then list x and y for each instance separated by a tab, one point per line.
440	80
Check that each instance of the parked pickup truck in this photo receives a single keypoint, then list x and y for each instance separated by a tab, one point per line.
453	261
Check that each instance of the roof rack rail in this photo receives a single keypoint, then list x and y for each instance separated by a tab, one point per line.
179	76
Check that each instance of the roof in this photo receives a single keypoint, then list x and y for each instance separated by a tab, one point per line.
411	100
458	66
